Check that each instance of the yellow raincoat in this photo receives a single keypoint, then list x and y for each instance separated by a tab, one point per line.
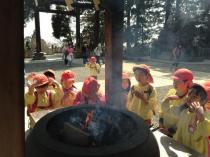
94	68
43	100
198	139
136	105
167	109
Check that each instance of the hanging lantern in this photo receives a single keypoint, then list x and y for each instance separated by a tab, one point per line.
69	4
96	4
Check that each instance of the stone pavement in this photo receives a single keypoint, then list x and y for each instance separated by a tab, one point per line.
160	69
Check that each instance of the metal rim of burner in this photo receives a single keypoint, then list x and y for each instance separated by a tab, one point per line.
140	136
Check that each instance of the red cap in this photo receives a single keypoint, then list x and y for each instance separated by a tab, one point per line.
146	68
49	73
125	76
183	74
93	59
206	86
67	75
39	80
90	86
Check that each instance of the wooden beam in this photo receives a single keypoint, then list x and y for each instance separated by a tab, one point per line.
86	5
12	139
114	48
71	13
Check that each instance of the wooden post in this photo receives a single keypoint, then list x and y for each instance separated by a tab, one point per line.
12	138
38	55
97	28
114	49
78	27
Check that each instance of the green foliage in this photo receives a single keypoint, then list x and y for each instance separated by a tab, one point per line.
61	26
29	7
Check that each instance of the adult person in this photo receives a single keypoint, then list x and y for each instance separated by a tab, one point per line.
176	53
98	52
70	54
84	54
64	51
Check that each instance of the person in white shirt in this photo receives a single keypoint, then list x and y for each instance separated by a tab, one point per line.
98	52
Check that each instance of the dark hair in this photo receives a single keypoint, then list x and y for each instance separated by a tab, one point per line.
143	70
49	74
200	91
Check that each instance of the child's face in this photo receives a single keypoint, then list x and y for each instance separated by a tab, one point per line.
141	76
207	106
67	84
180	85
125	83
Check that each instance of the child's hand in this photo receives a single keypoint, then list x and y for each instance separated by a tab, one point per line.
199	110
172	97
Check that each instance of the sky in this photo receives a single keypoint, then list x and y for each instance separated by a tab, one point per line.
45	28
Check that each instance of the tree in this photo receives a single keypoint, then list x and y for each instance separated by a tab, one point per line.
61	25
29	8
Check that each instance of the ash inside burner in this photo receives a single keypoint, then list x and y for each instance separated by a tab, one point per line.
91	127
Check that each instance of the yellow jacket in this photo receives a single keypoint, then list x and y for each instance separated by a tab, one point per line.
168	108
136	105
94	68
43	100
68	98
58	94
198	139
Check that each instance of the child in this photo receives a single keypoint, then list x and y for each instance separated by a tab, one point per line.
206	86
41	99
54	85
193	126
93	67
182	81
126	85
90	93
142	98
69	92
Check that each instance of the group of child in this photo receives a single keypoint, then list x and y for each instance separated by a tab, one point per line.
184	113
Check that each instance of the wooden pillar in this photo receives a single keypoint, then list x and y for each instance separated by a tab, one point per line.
78	27
38	55
12	138
114	49
97	28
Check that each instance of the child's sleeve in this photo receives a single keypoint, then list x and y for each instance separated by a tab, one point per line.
203	129
29	99
129	99
98	68
164	107
87	65
153	101
56	98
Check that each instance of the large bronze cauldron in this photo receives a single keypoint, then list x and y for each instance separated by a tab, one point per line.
69	132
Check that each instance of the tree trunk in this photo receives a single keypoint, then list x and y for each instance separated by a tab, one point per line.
128	15
178	9
168	6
